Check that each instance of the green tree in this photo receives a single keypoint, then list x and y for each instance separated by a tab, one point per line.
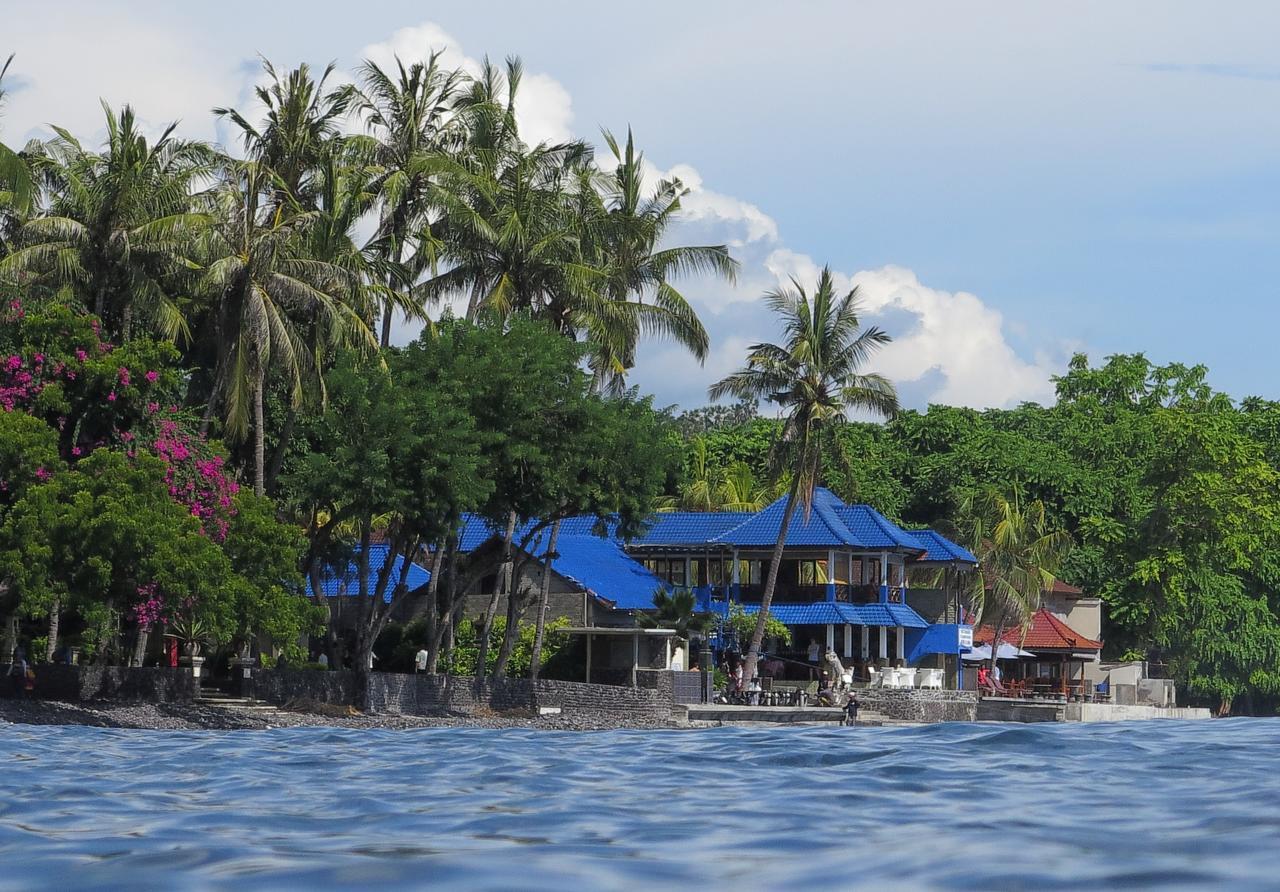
1018	557
119	224
408	117
814	375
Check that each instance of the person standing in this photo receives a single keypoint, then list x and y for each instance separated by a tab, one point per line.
18	674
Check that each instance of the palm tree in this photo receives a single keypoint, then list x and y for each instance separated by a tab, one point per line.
640	266
410	125
292	139
506	230
16	187
711	488
119	225
1018	555
274	304
814	376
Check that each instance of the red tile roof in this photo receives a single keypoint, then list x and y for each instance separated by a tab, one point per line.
1046	632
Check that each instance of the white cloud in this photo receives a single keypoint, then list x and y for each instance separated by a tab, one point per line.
61	72
952	336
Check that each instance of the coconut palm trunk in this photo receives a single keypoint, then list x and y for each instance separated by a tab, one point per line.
55	618
771	581
535	659
259	428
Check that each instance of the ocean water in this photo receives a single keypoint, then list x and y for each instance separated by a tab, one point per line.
1138	805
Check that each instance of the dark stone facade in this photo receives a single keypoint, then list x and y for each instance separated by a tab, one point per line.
434	694
281	686
921	706
75	684
1002	710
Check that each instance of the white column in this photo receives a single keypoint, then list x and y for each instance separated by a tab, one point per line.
635	656
831	636
848	641
902	655
866	642
831	566
884	643
884	568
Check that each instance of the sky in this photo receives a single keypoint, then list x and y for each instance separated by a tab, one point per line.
1005	183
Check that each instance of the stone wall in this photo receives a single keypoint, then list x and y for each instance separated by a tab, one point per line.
434	695
998	709
281	686
1113	712
920	706
124	684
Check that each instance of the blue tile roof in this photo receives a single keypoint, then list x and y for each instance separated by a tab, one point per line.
689	527
333	585
873	530
822	526
830	523
940	549
603	569
817	614
884	615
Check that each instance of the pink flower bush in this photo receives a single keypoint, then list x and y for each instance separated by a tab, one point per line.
196	479
150	607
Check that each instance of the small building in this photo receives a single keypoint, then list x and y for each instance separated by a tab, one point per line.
1059	654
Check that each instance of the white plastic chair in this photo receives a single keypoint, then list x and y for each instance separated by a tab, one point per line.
911	678
892	677
877	678
932	679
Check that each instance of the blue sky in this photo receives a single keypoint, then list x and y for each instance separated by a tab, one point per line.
1007	182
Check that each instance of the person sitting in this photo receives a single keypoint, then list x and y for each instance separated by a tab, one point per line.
826	694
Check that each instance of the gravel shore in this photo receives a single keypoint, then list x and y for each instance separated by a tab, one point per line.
188	717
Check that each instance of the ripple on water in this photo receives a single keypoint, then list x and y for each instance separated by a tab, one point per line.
984	806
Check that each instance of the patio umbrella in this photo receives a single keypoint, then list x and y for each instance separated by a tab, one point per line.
1006	652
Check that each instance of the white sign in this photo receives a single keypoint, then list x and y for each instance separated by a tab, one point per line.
966	636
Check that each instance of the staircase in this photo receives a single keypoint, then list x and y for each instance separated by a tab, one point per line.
219	699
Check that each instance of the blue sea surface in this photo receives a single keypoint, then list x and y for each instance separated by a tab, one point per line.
959	806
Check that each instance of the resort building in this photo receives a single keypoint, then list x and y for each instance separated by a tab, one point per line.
844	582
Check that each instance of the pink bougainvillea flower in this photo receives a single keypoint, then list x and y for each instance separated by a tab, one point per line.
81	355
153	376
111	397
42	474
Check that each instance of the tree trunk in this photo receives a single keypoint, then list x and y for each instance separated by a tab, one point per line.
504	583
432	613
10	636
55	617
757	637
995	646
516	606
535	658
386	328
277	460
126	322
259	436
140	647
